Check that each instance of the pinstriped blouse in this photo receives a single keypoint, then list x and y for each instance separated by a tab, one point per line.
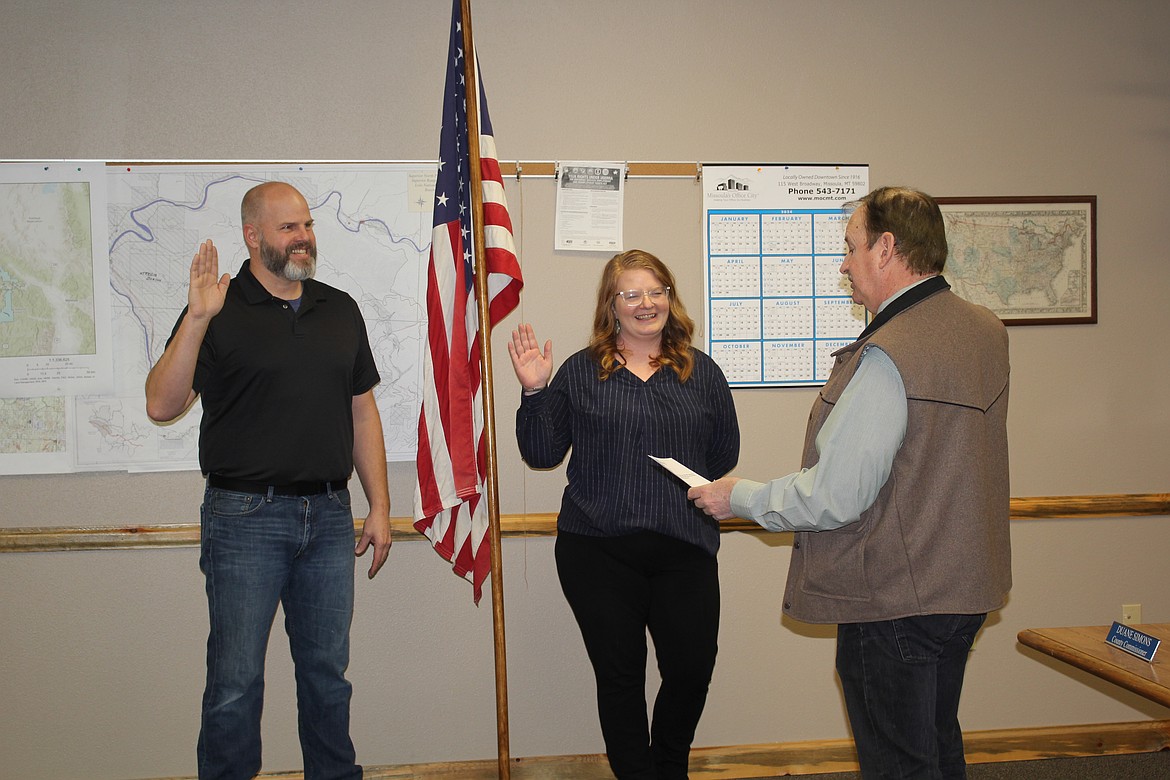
612	428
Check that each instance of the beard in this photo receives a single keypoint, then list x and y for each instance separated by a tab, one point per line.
281	263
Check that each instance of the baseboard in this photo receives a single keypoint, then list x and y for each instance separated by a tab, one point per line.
803	758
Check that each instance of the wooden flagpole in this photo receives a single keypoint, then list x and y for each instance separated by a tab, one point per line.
491	478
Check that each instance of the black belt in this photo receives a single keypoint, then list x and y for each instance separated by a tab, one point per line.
263	488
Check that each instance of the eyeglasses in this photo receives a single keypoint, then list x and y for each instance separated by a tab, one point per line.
635	297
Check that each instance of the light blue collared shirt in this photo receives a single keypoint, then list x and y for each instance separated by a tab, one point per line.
857	445
856	448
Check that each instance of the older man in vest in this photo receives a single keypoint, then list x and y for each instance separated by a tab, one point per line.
901	506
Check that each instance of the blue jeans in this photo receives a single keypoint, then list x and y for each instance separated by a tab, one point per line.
258	551
902	679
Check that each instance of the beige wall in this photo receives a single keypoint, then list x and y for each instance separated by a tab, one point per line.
101	653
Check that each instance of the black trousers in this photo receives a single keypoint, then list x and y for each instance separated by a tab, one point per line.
618	587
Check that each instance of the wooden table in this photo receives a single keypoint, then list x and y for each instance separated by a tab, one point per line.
1085	648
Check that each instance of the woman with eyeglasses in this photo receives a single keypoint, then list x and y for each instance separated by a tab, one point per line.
632	553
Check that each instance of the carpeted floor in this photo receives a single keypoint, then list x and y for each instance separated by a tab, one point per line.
1137	766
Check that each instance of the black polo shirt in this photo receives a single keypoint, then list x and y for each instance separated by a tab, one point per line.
277	385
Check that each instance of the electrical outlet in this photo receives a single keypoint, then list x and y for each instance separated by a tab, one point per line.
1131	613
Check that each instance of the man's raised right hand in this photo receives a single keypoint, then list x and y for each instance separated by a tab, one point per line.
208	289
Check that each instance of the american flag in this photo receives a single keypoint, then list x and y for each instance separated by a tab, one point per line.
450	505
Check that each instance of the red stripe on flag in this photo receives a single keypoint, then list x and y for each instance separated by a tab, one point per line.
450	500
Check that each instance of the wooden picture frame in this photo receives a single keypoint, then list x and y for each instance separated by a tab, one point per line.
1032	260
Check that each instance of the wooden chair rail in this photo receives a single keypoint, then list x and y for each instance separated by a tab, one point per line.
63	538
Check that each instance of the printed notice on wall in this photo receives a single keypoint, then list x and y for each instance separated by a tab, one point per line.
777	305
590	201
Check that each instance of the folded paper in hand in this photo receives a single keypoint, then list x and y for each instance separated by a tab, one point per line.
682	472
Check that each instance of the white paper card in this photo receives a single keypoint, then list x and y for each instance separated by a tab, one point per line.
682	472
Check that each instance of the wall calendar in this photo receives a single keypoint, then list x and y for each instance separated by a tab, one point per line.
777	306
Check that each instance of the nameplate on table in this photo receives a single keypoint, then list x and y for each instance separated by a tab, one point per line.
1133	641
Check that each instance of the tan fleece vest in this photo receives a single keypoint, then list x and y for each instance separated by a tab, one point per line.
936	539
